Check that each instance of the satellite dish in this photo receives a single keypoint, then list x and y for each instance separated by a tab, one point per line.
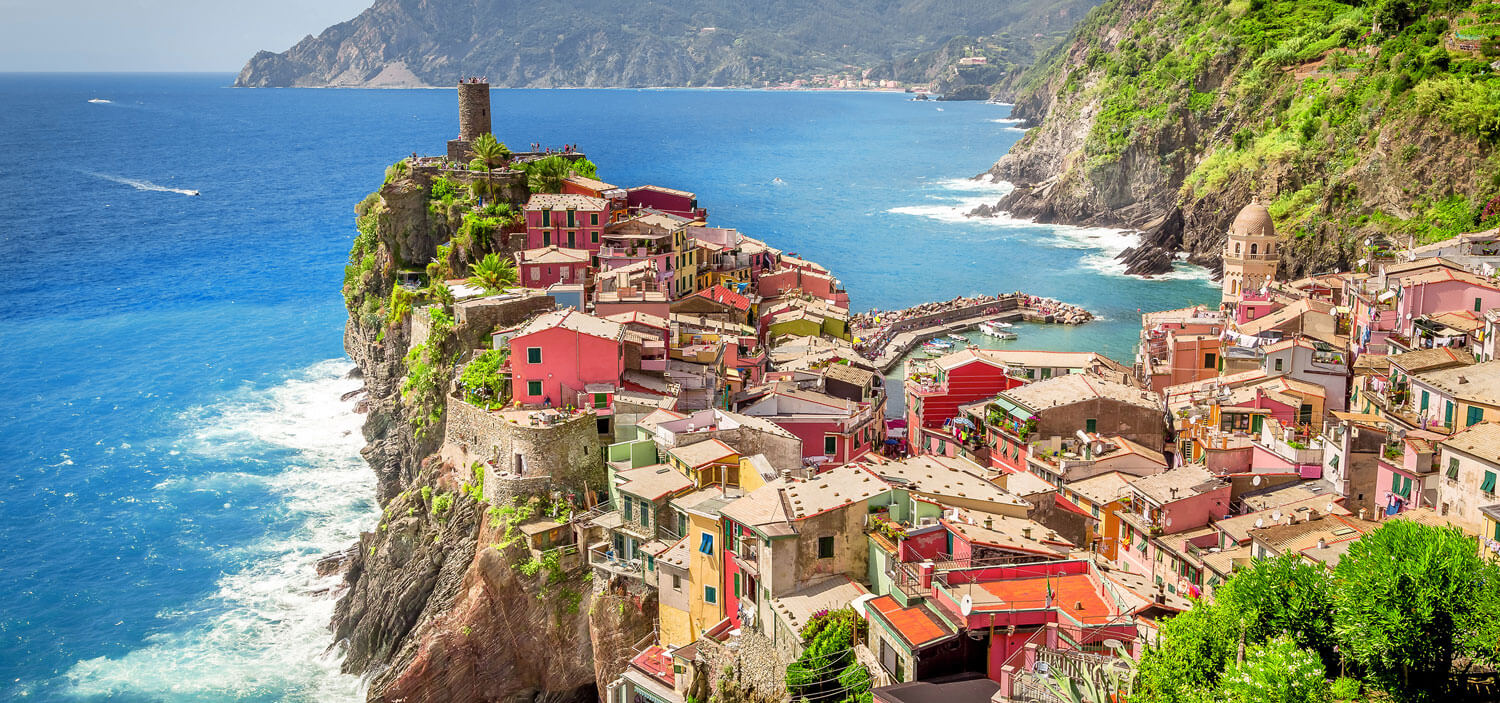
1259	523
1113	643
1169	522
1255	480
966	605
1328	508
1276	516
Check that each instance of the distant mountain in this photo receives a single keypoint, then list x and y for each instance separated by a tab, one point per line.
608	43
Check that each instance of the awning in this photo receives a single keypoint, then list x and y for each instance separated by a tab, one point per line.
1011	408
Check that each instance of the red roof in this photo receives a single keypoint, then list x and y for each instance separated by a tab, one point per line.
720	294
1070	506
917	625
655	661
1068	593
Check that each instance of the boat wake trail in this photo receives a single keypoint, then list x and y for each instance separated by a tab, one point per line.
262	634
142	185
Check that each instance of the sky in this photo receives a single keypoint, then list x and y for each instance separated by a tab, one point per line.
157	35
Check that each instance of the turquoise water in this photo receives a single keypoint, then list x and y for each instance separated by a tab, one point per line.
176	455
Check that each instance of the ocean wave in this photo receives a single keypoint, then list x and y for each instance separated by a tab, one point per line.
142	185
263	633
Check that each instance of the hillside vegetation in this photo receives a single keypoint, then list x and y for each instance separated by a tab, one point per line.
584	43
1354	121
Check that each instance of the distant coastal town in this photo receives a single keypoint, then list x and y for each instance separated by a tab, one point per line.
690	421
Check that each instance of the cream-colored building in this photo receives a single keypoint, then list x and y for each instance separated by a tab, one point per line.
1250	255
1469	463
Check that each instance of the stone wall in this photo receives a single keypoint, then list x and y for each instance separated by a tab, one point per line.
756	669
782	452
473	110
476	319
567	453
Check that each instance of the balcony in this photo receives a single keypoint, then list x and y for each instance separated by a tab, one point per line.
601	557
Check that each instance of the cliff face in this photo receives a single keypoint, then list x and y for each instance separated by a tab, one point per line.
1169	115
439	603
587	43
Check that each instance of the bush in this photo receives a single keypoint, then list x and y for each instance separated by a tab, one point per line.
444	189
1345	689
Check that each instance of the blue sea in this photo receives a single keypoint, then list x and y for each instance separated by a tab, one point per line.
175	455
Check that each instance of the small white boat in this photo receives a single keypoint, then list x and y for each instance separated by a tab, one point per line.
958	338
190	192
938	344
996	329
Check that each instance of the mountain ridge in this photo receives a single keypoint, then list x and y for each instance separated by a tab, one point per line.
594	43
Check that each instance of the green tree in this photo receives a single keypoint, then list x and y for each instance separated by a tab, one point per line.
1193	650
1280	595
482	382
546	175
1410	599
493	273
1276	672
489	154
827	670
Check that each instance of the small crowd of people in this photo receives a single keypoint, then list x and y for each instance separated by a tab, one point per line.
475	79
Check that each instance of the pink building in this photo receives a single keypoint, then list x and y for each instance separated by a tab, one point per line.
539	268
1179	346
799	275
1402	482
676	202
1440	290
565	357
565	220
578	185
1177	501
833	430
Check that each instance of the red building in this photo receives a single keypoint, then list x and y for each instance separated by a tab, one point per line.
675	202
565	357
954	380
539	268
565	220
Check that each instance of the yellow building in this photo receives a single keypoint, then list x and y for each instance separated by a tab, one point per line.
705	562
1250	256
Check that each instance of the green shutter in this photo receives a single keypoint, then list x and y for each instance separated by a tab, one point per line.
1489	482
1474	415
1424	400
1453	469
736	585
1091	425
1448	413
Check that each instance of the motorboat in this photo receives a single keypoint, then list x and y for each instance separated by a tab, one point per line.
998	330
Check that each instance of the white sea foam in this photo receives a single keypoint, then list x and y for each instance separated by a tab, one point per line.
263	633
955	198
100	101
142	185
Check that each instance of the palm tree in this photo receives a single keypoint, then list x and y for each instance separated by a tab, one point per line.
489	154
546	175
493	273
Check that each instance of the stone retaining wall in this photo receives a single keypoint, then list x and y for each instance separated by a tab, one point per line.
566	454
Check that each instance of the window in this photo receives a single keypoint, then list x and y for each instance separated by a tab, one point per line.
676	582
1091	425
1254	248
546	218
1478	304
533	388
1453	468
1401	486
571	243
594	219
830	445
1209	360
629	508
533	355
1278	364
1473	416
594	237
736	585
707	545
645	514
710	595
1250	315
601	400
1489	483
825	547
572	218
1424	401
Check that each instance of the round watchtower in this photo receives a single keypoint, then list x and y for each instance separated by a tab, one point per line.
1250	257
473	110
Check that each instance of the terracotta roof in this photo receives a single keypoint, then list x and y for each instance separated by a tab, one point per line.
1103	489
760	508
1415	362
917	625
1445	275
1301	535
1479	383
575	321
703	453
832	489
1075	594
1077	388
663	189
945	477
565	201
654	482
850	374
1238	528
723	295
831	593
1481	441
590	183
554	255
1010	533
1188	481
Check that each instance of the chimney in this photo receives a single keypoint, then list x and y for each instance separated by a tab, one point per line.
989	522
1322	543
1174	492
1361	513
1026	532
924	571
786	475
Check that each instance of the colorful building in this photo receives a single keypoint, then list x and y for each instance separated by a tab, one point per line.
566	357
565	220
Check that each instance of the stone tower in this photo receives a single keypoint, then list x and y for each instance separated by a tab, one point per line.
1250	255
473	117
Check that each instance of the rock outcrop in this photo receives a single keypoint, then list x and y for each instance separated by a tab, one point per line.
1167	117
434	608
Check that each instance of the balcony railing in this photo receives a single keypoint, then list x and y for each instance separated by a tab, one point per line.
600	557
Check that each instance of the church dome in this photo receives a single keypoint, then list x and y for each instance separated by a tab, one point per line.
1254	220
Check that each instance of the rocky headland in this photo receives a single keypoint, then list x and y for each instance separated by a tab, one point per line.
1358	131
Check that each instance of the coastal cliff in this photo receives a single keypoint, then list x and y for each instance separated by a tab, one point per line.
1358	128
442	601
414	43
